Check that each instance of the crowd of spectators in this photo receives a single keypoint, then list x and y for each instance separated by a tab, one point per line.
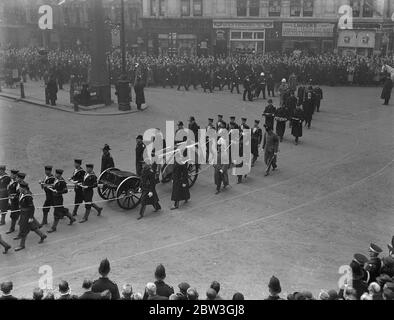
370	278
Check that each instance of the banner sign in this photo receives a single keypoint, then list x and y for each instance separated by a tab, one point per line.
243	25
325	30
356	39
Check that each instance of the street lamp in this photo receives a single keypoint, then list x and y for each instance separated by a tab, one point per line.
124	90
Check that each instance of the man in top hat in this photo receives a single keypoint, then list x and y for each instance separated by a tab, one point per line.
48	181
194	127
59	188
104	283
148	188
88	185
77	179
14	202
374	264
274	289
27	222
257	139
271	149
139	155
4	182
269	114
220	123
232	124
107	162
309	108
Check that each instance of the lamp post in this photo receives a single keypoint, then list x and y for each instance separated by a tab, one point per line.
124	90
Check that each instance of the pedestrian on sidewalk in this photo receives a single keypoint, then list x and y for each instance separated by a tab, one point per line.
52	90
139	92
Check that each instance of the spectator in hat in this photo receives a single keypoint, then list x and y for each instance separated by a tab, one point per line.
216	286
192	294
211	294
65	291
139	155
127	292
38	294
374	291
374	264
104	283
151	291
183	290
89	294
323	295
136	296
194	127
6	289
107	162
274	289
106	295
387	266
238	296
162	288
333	295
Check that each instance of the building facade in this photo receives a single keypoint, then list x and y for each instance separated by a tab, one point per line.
72	23
225	27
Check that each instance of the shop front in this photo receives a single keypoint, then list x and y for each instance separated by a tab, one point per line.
183	37
311	37
240	37
357	42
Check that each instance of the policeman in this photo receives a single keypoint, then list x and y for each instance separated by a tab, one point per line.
220	123
48	180
318	97
257	138
88	184
244	125
4	182
269	114
247	89
139	154
59	188
77	179
232	124
27	222
107	162
235	81
281	117
296	124
261	85
14	202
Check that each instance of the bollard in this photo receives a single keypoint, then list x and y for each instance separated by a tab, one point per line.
22	89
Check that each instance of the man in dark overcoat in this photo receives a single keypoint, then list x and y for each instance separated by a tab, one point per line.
180	186
148	188
386	92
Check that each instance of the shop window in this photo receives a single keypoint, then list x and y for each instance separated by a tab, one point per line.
368	8
235	35
356	6
254	8
295	8
242	8
307	8
258	36
197	8
185	8
153	8
162	8
220	6
247	35
274	8
66	16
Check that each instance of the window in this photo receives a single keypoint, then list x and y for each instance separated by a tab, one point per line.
197	8
66	16
235	35
162	8
274	8
153	8
259	36
356	6
308	8
368	9
185	8
242	8
254	8
295	8
220	6
247	35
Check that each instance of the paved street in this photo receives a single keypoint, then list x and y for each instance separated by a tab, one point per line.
332	196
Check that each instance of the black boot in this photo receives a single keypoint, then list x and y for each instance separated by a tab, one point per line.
75	211
12	228
44	218
142	211
41	235
54	226
21	245
176	205
2	219
69	216
98	209
5	245
86	216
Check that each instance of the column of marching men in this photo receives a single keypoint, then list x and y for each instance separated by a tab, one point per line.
292	109
16	197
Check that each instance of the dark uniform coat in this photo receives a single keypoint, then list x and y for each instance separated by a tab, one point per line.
257	138
26	207
139	157
269	114
148	184
281	117
107	162
89	182
296	123
387	88
180	178
4	182
103	284
14	199
139	93
60	187
78	176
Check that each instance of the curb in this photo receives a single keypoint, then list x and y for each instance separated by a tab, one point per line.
66	109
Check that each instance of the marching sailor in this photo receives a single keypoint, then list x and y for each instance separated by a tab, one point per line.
77	179
48	180
88	185
4	182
